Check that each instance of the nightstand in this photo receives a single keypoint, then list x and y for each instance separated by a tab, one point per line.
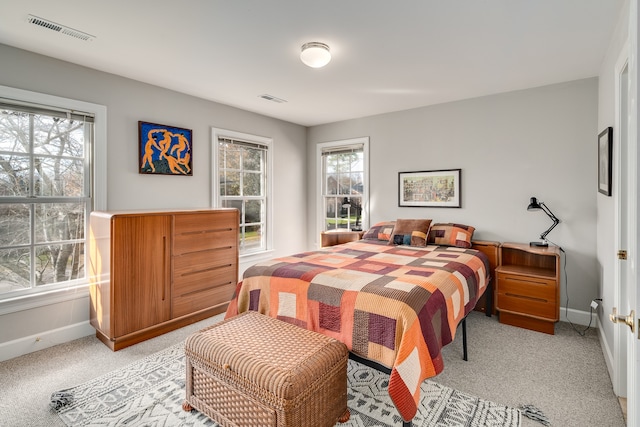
491	249
332	238
528	286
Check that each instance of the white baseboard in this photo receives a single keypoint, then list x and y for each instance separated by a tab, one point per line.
578	317
607	352
25	345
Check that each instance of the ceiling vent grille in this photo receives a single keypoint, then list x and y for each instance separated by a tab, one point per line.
273	98
44	23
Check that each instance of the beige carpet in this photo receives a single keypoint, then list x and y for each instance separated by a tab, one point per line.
564	374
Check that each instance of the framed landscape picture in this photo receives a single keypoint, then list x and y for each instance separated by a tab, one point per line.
605	145
437	188
164	150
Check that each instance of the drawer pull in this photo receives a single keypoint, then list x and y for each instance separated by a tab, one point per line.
206	269
215	230
526	297
529	281
219	248
197	291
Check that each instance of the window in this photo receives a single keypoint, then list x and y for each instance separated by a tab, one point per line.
46	192
344	188
243	165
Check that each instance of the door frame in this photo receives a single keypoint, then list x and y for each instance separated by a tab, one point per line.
633	347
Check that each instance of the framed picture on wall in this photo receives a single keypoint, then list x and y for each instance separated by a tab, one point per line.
605	147
437	188
164	150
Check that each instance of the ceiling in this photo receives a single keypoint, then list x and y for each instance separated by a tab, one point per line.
387	55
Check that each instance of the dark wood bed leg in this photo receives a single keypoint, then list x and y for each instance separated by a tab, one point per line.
464	339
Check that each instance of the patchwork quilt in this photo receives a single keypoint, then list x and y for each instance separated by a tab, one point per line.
395	305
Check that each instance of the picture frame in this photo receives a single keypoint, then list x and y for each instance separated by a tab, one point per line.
434	188
164	150
605	147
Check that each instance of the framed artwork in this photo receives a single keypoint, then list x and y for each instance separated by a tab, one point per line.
164	150
605	147
438	188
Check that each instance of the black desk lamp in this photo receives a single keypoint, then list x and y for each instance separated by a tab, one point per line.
536	206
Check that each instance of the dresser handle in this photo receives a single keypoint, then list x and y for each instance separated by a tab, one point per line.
164	263
526	297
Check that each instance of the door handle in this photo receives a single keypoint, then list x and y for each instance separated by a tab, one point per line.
627	320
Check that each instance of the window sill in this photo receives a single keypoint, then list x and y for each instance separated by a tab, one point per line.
28	302
256	256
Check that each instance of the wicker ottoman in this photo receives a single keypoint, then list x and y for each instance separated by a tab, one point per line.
253	370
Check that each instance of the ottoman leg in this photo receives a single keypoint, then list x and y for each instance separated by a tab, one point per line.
186	406
345	417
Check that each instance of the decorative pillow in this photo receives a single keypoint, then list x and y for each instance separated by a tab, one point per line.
380	231
459	235
412	232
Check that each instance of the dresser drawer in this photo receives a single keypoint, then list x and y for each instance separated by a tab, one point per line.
204	269
205	221
527	286
527	305
190	303
188	242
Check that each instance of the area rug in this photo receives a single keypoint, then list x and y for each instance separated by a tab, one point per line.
150	392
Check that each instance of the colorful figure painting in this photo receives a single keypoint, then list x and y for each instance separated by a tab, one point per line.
164	150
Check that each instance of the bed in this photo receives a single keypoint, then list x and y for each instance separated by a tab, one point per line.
395	298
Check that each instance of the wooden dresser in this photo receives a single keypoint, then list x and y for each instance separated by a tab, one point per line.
155	271
528	286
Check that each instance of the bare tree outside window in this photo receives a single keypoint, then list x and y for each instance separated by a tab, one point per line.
44	199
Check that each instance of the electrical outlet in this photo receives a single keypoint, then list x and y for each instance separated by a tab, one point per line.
594	304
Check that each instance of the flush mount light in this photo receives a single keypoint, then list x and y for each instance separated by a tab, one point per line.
315	54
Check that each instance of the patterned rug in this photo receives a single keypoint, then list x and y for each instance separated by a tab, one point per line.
150	392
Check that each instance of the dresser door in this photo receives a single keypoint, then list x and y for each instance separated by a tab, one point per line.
141	267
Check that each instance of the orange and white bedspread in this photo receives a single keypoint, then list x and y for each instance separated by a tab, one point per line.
395	305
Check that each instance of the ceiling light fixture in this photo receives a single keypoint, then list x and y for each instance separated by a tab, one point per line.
315	54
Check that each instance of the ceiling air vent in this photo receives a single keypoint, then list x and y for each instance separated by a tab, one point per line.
273	98
44	23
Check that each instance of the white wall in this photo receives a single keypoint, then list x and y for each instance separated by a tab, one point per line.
537	142
127	102
606	249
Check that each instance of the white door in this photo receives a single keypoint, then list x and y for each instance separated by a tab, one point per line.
627	336
633	296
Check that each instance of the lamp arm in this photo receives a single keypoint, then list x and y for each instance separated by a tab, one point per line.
550	214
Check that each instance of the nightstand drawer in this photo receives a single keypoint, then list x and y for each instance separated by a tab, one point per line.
332	238
527	306
527	286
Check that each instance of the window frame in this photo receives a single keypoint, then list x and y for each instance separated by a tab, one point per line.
37	297
320	147
216	135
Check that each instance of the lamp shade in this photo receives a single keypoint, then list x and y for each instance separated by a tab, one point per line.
315	54
534	205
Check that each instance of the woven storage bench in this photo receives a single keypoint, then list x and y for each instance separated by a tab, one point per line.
254	370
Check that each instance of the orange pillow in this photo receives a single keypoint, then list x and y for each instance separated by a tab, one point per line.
380	231
458	235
